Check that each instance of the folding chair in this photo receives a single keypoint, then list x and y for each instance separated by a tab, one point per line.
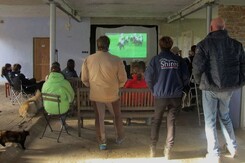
17	92
47	97
11	90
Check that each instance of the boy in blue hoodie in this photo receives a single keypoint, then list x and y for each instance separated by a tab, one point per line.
167	76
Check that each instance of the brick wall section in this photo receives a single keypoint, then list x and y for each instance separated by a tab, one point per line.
234	17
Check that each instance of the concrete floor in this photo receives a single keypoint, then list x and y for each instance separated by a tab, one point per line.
190	143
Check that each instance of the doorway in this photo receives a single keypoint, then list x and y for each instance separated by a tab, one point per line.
41	57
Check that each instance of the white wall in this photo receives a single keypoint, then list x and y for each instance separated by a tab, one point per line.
16	41
176	30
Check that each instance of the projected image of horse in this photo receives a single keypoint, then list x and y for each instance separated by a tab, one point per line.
137	39
128	45
122	41
120	45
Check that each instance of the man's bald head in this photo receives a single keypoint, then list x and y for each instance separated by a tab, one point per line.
217	24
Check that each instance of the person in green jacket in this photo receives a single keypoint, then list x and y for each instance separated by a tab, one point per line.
57	84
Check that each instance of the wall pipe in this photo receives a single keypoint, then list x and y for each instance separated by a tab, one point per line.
52	32
208	17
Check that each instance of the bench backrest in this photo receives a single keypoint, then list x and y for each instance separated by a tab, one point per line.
130	99
75	83
136	99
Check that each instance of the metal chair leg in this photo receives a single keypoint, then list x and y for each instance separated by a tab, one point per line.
60	133
62	126
44	130
63	123
47	118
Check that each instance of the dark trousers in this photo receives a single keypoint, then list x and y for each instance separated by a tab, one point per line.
171	106
114	109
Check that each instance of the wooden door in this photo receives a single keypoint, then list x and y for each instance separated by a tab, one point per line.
41	58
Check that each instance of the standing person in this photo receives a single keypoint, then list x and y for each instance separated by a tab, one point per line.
175	50
189	59
219	68
167	76
105	73
69	71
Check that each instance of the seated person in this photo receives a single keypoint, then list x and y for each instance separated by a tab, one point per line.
57	84
57	64
29	85
137	80
69	71
6	72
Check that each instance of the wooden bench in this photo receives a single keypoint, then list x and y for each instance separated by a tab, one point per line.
135	103
75	84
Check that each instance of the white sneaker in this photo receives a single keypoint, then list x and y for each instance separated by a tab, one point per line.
213	159
233	152
153	151
167	153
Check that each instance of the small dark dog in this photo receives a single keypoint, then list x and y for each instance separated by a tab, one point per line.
14	137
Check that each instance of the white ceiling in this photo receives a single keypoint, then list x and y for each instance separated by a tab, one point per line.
129	8
157	9
153	9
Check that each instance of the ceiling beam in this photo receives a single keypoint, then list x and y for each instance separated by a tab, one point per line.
66	9
198	4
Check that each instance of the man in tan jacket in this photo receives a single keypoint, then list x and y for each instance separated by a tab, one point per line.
104	74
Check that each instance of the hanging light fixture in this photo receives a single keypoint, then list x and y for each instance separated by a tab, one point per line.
68	24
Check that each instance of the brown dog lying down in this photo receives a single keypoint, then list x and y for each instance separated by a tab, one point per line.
30	107
14	137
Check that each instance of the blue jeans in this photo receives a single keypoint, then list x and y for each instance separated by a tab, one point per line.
216	104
